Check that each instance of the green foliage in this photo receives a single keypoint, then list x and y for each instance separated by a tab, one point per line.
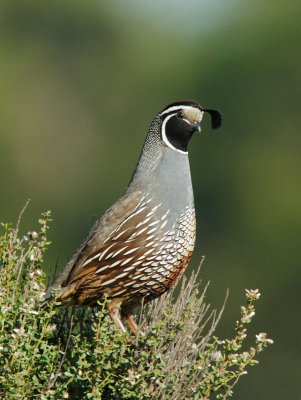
53	352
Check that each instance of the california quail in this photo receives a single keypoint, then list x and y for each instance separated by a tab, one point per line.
142	244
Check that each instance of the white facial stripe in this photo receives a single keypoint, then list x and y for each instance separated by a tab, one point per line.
164	137
186	120
176	108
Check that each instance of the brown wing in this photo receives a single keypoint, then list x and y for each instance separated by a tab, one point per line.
99	233
139	249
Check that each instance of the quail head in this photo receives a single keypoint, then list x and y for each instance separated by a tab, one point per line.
141	246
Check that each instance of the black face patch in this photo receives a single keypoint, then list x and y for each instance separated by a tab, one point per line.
178	132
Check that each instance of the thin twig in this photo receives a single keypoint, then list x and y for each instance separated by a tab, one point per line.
21	215
52	381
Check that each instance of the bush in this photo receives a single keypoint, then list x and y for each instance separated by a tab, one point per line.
77	353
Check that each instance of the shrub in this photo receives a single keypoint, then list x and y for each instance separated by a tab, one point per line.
76	353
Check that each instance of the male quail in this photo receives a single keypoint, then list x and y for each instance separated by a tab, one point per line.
141	246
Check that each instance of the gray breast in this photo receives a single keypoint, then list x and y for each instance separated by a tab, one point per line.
169	183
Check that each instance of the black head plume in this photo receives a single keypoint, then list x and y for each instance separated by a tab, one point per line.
216	117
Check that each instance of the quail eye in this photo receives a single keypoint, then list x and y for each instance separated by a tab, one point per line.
180	114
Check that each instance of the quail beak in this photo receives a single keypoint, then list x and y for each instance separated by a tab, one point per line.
197	126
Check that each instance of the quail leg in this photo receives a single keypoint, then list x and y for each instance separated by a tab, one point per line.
127	314
131	323
114	311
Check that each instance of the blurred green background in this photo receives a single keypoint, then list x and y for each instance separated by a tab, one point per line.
79	84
